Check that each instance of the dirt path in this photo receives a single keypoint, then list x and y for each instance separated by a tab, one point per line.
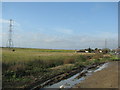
106	78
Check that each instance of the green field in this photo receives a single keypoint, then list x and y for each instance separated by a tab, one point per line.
25	66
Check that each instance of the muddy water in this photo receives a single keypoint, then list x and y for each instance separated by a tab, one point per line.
72	81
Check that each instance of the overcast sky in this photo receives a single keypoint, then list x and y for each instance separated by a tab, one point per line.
65	25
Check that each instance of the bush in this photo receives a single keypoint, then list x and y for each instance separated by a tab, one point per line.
97	56
96	60
81	58
69	61
18	69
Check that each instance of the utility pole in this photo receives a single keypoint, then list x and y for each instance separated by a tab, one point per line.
10	42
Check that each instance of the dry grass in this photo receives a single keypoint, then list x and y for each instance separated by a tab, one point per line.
25	64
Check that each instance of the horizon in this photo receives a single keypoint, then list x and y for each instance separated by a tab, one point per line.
57	48
61	25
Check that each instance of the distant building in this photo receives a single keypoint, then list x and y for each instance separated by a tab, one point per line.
118	51
80	51
100	51
86	51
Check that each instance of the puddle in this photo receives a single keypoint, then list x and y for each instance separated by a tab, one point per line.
102	67
72	81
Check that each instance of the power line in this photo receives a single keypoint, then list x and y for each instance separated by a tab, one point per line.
10	41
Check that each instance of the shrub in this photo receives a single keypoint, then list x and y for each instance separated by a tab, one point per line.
81	58
97	56
18	69
5	67
69	61
96	60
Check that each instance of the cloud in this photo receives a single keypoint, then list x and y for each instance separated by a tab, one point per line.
39	39
46	41
65	31
4	21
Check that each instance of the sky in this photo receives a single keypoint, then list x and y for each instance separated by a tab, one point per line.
61	25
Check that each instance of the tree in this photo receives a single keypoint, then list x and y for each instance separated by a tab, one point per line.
106	50
89	50
96	49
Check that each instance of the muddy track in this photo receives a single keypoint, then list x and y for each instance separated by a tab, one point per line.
54	79
62	76
106	78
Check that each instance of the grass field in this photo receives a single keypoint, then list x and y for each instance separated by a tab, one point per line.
25	66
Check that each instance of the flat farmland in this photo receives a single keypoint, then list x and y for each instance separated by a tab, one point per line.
25	66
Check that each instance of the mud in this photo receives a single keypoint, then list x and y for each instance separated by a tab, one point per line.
82	70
